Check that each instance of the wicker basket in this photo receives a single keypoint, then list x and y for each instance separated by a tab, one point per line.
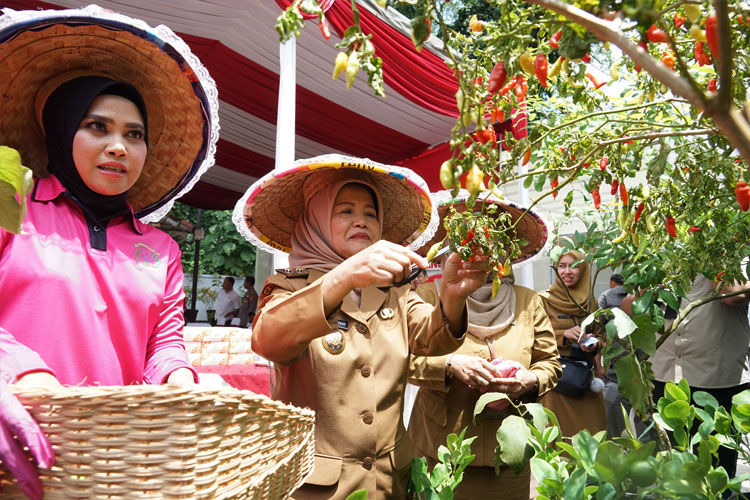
169	442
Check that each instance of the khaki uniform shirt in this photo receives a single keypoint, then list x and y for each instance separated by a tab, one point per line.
709	348
356	386
445	406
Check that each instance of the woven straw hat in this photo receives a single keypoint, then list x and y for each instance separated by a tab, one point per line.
268	212
40	50
532	227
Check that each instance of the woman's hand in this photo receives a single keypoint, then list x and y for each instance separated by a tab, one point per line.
381	264
522	382
38	379
16	421
471	370
572	333
181	376
460	279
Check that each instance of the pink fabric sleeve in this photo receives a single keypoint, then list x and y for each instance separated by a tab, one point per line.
16	359
166	349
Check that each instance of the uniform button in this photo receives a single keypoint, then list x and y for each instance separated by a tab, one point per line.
367	418
367	463
365	371
361	328
484	354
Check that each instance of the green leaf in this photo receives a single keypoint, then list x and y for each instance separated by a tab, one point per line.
542	471
674	392
539	417
677	410
669	298
485	399
512	438
625	326
717	480
634	380
642	303
439	474
10	210
15	181
572	45
587	447
574	485
606	492
358	495
528	181
610	464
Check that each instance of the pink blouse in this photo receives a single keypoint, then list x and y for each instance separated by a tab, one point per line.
107	317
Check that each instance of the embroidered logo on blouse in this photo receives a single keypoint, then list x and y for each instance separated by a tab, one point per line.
146	256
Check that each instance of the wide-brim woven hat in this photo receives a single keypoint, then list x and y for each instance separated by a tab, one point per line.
268	212
531	227
40	50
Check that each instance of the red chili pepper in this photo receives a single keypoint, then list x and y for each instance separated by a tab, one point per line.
719	275
486	135
478	81
526	157
711	35
487	232
597	197
700	54
555	39
694	229
741	20
670	226
586	58
678	20
615	183
522	86
324	29
540	69
470	234
712	85
603	163
644	46
497	115
638	212
624	193
656	35
497	77
553	184
593	81
508	86
742	192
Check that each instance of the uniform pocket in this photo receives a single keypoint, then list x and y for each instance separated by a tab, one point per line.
401	454
326	470
433	405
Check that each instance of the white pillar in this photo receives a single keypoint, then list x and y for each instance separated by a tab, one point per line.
525	276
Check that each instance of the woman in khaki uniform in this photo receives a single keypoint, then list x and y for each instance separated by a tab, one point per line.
587	412
513	326
337	329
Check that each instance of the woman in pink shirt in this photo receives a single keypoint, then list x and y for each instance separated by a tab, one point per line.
91	294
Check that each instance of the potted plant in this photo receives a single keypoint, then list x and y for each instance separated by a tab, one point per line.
190	314
208	297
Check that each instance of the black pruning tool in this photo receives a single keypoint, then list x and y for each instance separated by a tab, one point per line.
415	270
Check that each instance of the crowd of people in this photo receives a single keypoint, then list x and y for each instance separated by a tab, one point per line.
343	326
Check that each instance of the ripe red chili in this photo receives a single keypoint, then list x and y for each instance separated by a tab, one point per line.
668	59
719	275
486	135
656	35
526	157
712	85
700	54
711	35
742	193
624	193
603	163
638	212
615	183
324	29
497	77
597	197
586	58
508	86
678	20
694	229
522	86
593	81
497	115
554	41
644	46
670	226
540	69
553	184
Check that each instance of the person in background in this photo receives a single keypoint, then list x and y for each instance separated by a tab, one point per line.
249	302
614	294
513	328
568	302
340	323
104	153
227	303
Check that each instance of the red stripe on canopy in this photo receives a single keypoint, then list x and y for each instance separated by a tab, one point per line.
210	197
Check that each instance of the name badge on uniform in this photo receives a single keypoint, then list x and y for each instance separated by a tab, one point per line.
334	342
343	324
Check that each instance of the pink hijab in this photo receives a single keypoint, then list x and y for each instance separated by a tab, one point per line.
312	238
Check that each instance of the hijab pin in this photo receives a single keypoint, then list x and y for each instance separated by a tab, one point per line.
386	313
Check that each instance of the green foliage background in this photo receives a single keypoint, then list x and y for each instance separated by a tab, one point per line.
223	250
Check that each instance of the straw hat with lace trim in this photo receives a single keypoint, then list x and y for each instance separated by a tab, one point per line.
40	50
268	212
532	227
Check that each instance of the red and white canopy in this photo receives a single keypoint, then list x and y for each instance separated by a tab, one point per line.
236	41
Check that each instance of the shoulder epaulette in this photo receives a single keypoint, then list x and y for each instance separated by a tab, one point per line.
294	272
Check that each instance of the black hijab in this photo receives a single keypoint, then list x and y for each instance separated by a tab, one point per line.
62	114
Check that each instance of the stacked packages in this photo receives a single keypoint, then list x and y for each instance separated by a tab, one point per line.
218	345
